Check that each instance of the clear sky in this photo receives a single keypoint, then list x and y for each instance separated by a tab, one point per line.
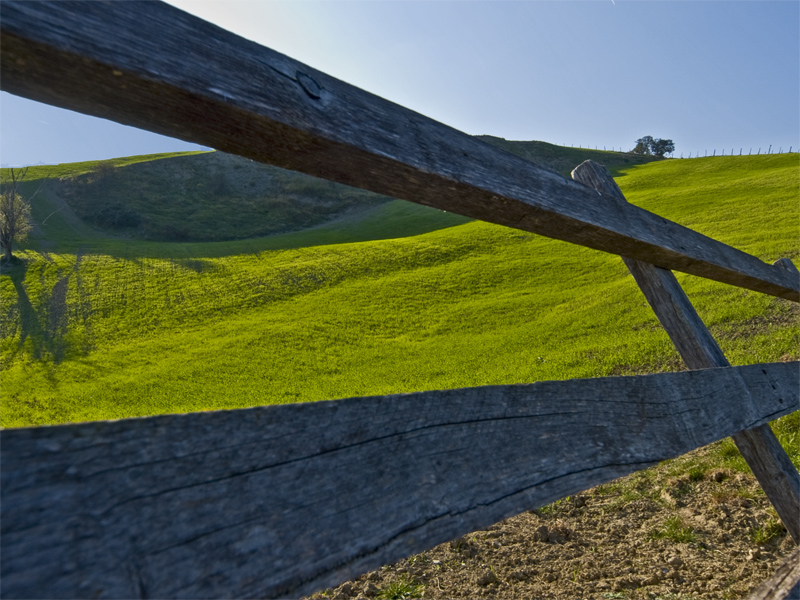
706	74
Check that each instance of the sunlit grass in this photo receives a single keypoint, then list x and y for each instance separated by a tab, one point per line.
403	589
123	328
674	529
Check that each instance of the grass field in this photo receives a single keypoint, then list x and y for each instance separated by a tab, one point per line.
94	327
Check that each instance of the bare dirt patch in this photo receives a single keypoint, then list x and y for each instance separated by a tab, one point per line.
705	534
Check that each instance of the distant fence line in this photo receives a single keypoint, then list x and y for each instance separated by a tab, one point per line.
741	152
705	152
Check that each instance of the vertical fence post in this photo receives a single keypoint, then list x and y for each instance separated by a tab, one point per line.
699	350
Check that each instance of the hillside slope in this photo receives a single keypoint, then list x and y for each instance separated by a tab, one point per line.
562	159
102	328
213	196
143	328
206	197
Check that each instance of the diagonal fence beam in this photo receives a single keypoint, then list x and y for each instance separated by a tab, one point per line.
281	501
699	350
183	77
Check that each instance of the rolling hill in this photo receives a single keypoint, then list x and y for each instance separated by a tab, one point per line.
395	297
213	196
95	326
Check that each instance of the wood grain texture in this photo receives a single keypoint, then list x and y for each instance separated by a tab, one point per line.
149	65
699	350
784	584
280	501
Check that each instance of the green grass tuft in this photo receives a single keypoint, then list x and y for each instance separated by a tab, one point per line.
676	530
402	589
696	472
764	533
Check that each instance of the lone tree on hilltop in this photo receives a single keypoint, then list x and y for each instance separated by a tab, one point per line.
644	145
649	146
15	214
661	147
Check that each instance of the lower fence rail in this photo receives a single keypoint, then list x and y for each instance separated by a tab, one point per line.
280	501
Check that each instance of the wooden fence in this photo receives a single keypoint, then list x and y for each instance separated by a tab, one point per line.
280	501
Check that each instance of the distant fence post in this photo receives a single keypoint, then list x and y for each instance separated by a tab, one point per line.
741	152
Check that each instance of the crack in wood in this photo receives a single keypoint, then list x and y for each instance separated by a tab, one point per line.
450	514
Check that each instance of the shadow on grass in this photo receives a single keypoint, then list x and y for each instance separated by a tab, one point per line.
43	330
60	230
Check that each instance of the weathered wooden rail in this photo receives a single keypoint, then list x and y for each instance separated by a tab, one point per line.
279	501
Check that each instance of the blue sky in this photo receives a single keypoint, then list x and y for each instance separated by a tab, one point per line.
706	74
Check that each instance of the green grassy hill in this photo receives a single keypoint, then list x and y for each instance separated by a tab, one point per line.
110	328
113	206
213	196
563	159
207	196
